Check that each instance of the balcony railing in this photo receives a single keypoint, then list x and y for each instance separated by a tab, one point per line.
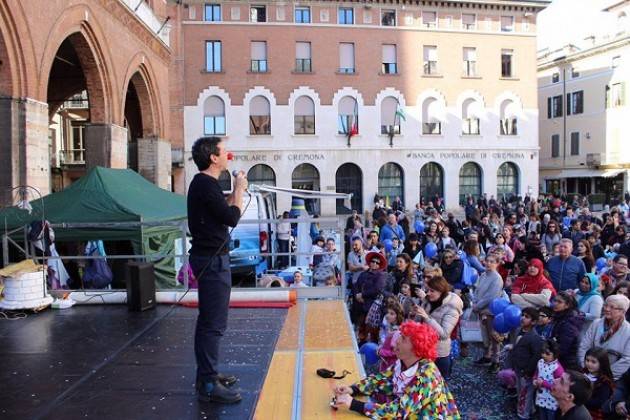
259	66
508	127
430	67
470	126
72	157
432	128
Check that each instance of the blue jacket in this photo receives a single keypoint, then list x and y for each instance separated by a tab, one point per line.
387	232
565	274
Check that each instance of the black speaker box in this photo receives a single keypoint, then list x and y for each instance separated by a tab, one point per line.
140	286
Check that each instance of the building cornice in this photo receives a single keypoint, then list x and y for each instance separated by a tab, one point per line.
136	26
578	55
523	5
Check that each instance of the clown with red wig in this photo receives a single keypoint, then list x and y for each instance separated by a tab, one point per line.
410	389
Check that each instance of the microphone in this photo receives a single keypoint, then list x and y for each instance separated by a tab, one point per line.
235	174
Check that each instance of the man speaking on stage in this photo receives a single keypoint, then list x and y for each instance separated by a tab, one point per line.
209	216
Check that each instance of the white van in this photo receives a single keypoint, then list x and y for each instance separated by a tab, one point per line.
248	240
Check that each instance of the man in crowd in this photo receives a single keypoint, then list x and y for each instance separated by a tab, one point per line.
572	390
392	229
356	260
565	269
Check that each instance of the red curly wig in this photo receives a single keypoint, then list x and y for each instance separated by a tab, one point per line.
423	338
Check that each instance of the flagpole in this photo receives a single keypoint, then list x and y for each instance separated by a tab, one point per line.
393	126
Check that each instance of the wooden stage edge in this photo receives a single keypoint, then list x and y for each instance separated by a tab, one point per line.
316	334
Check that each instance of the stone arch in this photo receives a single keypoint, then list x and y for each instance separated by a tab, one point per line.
347	91
15	53
140	75
85	35
469	94
508	95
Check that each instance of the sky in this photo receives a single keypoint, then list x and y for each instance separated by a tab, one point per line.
570	21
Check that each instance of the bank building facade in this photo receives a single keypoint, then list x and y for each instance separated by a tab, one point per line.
412	99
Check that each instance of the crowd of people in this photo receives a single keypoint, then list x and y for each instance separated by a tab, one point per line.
563	268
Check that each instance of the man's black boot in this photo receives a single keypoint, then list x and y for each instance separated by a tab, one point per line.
226	380
218	393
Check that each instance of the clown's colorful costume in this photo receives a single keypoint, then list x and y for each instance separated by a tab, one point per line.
419	392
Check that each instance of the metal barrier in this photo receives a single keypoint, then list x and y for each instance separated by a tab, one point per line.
330	227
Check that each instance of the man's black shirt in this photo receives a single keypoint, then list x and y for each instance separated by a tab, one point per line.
209	216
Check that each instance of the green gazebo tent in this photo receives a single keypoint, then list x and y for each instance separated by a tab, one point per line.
107	195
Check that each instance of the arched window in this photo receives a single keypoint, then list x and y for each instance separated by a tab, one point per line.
261	174
225	181
214	116
431	181
469	182
431	116
259	116
507	180
390	117
348	115
471	114
349	179
390	182
304	119
509	115
306	177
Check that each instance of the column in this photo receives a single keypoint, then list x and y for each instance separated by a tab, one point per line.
105	145
154	161
24	128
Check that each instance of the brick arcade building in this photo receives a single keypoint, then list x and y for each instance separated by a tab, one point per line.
114	54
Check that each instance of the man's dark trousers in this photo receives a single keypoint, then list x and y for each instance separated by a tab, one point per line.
215	284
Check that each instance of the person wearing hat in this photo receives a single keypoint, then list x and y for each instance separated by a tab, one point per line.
369	285
589	299
411	388
612	333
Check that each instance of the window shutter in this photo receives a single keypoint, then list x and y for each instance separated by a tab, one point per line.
214	107
430	53
389	53
259	106
303	50
347	106
304	106
568	104
470	54
549	108
259	50
346	56
622	94
388	111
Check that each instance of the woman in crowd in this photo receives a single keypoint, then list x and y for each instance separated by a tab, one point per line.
566	326
583	252
471	255
403	272
589	299
441	310
452	268
552	235
612	333
431	234
369	285
533	288
499	241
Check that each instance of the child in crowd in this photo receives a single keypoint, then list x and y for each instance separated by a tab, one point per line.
523	358
317	248
544	326
397	249
547	370
405	292
597	369
389	335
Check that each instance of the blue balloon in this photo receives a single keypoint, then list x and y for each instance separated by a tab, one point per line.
498	305
500	325
389	244
419	226
472	278
430	250
512	315
600	263
369	352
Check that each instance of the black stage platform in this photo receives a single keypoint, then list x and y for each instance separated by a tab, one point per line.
104	362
